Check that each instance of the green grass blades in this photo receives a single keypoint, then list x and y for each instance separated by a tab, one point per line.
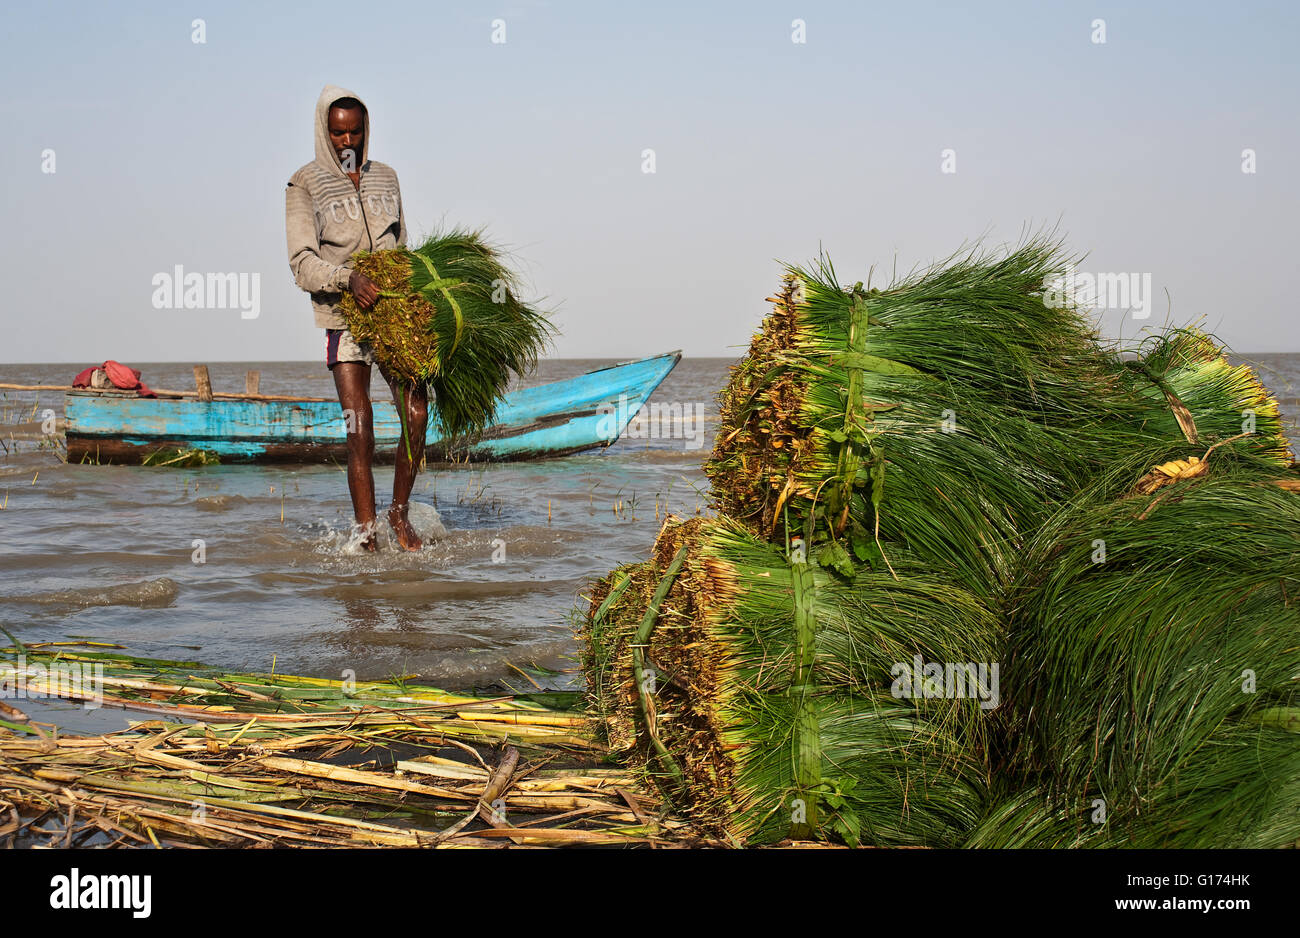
449	316
181	458
888	776
1156	639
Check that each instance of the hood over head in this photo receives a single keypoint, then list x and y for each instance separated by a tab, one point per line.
325	154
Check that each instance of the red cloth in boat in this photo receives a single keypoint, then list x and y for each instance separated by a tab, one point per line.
122	376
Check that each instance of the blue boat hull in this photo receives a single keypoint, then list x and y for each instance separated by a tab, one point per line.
556	419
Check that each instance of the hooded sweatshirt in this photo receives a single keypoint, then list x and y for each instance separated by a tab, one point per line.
327	219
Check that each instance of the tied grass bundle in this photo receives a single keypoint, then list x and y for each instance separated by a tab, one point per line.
1161	676
935	414
761	736
449	316
1192	396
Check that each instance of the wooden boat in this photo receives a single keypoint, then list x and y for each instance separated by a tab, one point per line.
556	419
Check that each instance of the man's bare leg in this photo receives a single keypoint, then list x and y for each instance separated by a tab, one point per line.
352	379
416	402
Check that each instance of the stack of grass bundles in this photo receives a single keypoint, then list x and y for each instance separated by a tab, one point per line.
914	440
779	705
449	316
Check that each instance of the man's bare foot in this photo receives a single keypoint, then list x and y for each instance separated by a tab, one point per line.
369	543
405	534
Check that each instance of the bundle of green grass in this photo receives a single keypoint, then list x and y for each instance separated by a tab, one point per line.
892	471
449	316
929	405
1153	669
759	690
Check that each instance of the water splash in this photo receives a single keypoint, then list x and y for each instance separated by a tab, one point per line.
425	519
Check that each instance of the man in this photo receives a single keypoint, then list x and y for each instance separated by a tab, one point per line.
340	203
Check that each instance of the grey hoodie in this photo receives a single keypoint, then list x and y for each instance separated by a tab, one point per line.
327	220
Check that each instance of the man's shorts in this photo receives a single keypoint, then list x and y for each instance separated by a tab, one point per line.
341	347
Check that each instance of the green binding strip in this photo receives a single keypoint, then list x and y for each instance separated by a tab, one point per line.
439	283
615	592
406	437
442	283
1181	414
1282	718
881	366
849	461
639	644
431	285
807	732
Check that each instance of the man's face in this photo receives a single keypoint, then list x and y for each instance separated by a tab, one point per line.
347	135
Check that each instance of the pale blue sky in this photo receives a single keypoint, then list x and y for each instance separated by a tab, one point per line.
170	152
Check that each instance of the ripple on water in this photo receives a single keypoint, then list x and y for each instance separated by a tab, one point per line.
219	502
148	594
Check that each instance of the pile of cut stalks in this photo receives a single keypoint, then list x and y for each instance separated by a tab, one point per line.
272	760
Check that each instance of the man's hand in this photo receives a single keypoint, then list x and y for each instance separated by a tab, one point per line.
364	289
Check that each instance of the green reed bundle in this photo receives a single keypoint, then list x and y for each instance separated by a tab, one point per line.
1190	396
933	414
449	316
762	693
1154	662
